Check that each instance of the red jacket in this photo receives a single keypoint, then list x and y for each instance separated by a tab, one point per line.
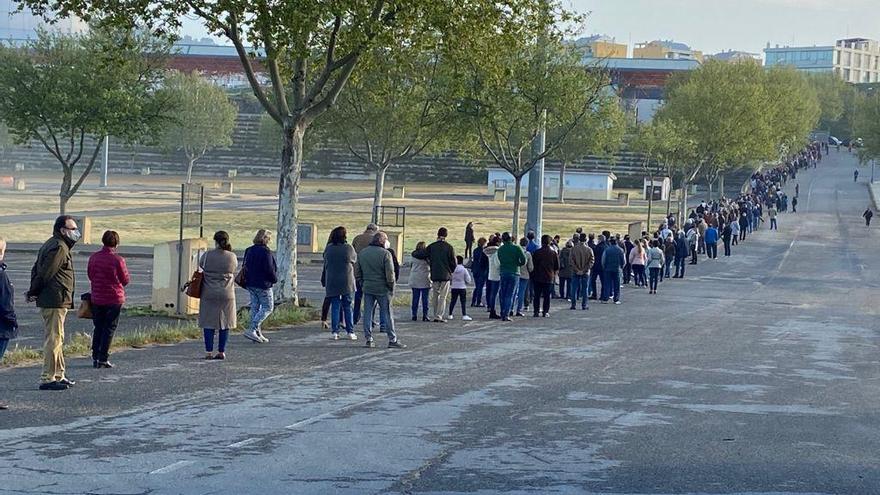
108	275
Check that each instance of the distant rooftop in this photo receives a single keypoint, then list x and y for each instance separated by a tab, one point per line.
654	64
595	38
669	44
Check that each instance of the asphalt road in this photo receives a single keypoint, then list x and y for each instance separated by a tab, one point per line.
756	374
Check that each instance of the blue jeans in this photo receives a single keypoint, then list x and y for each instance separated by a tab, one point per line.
679	266
479	283
522	291
420	294
358	296
3	344
492	287
508	283
667	269
579	286
345	301
209	340
262	304
386	319
596	275
611	280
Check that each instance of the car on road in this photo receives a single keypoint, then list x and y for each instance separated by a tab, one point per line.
833	141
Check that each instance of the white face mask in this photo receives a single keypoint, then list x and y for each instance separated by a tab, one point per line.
74	235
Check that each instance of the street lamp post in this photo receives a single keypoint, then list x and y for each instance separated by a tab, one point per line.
105	168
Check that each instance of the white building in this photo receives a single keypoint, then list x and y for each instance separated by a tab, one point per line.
578	184
23	25
855	60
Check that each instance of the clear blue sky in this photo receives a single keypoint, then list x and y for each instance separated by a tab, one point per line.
715	25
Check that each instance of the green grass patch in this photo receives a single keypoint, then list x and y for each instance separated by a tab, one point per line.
143	311
284	315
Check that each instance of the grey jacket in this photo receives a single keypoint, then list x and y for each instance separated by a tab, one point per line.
338	275
375	271
420	274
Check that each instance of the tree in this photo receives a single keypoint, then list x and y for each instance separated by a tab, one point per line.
654	141
835	101
69	92
599	133
394	108
794	109
204	118
867	127
309	49
510	100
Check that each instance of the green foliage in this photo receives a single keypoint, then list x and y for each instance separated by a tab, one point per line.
600	132
203	117
867	127
68	92
793	110
837	100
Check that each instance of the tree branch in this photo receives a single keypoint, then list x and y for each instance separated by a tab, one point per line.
231	32
88	169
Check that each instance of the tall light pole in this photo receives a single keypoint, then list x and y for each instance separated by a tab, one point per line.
535	210
105	167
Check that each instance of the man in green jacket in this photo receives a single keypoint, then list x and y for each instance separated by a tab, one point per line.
374	273
52	288
510	258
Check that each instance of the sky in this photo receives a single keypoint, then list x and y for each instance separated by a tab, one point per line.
748	25
715	25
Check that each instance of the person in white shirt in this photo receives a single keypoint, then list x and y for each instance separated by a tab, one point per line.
461	278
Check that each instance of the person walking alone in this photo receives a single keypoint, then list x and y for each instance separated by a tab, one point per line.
441	257
52	288
581	261
656	260
260	275
420	284
8	321
868	215
338	280
469	240
217	309
771	213
375	273
108	276
546	263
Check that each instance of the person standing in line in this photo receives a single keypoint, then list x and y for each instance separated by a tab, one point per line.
656	260
581	261
525	271
637	263
628	247
726	236
597	273
52	288
461	278
693	238
375	273
480	270
108	276
681	252
712	242
469	240
360	242
493	277
546	263
339	282
565	270
217	309
8	321
668	255
743	225
510	258
260	275
772	213
734	230
613	260
420	284
533	244
794	202
868	215
441	258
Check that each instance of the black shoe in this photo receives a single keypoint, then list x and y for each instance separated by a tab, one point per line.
425	318
54	386
396	345
572	308
369	343
494	316
3	407
67	382
505	319
415	318
105	364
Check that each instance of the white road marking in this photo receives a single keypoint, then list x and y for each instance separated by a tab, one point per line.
172	467
328	414
243	442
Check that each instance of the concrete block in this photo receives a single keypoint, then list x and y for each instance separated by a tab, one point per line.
500	195
18	185
398	192
623	199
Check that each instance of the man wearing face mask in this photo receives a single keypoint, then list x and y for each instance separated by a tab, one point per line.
52	288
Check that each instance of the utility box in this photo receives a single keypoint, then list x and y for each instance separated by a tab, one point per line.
171	272
306	238
658	188
500	195
395	239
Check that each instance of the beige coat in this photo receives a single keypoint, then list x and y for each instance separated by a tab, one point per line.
217	308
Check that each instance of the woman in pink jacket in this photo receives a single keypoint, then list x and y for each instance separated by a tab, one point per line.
108	276
637	259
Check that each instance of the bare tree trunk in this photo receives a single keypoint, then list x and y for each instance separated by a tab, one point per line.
562	181
189	170
650	199
517	197
379	189
288	199
669	198
721	186
64	195
682	211
710	189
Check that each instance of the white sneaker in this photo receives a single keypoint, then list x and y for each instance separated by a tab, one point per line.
261	336
616	302
352	336
450	317
334	336
252	336
466	318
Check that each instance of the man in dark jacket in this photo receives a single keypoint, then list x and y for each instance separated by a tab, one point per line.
8	323
52	288
480	269
597	273
612	262
546	263
441	256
